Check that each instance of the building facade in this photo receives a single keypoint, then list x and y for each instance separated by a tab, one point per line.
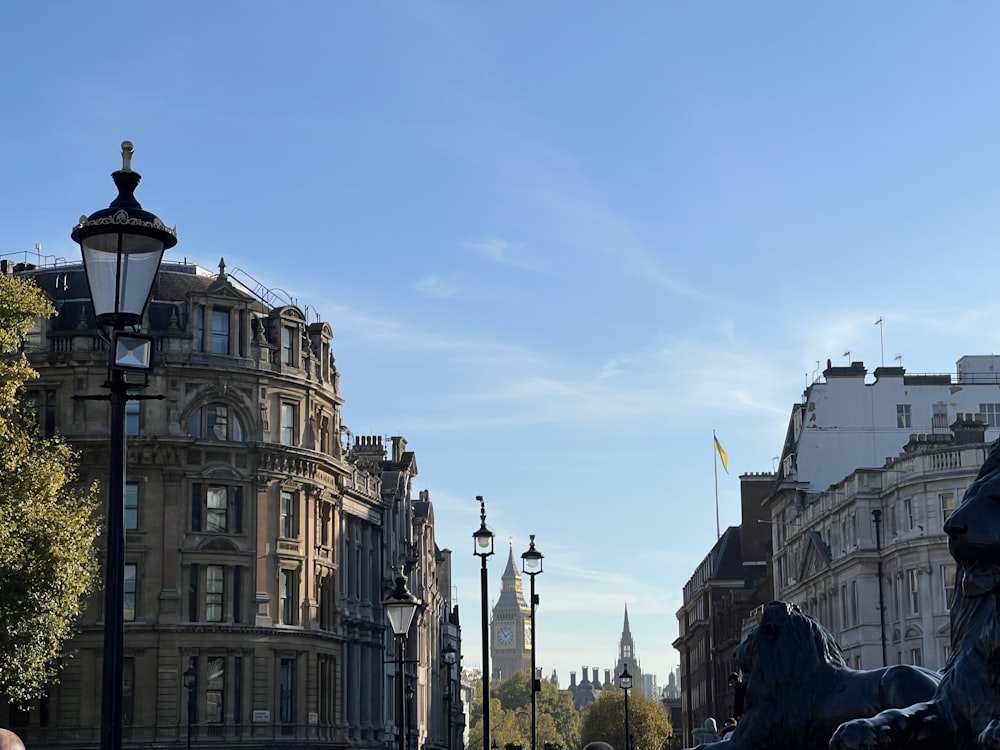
846	421
708	589
869	557
261	536
727	587
869	470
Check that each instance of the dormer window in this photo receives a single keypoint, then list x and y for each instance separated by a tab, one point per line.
220	331
288	345
216	422
286	326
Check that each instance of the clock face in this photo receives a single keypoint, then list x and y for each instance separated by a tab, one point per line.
505	636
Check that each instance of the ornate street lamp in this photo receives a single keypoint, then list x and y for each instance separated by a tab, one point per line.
449	655
400	606
122	246
531	565
191	683
625	683
483	549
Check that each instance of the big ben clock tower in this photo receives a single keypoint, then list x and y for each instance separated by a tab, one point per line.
510	644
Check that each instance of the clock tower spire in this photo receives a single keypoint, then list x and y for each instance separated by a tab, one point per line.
510	642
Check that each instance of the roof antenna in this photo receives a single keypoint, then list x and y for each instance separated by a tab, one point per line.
881	336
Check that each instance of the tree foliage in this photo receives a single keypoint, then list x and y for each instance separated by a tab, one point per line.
604	721
557	722
47	528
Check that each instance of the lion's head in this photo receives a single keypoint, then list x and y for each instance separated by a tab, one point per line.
974	528
785	645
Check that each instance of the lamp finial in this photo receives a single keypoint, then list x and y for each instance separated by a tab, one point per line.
127	150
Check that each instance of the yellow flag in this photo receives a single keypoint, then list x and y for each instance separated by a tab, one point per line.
722	454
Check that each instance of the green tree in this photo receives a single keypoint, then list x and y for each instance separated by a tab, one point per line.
604	721
47	528
557	722
551	702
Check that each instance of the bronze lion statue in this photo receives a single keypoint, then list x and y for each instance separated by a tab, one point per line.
963	712
799	688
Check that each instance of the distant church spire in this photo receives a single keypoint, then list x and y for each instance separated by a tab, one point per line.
627	656
626	646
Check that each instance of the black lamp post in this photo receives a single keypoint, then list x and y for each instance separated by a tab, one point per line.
122	246
484	548
411	731
449	655
191	683
531	565
877	516
625	683
400	606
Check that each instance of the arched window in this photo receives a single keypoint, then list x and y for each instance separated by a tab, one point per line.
216	422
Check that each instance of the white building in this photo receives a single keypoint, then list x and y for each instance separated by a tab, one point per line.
845	422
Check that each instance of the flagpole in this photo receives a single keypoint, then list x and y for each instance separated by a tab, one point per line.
715	467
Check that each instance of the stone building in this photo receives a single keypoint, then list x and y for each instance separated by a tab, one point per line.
869	557
719	574
899	449
261	536
587	690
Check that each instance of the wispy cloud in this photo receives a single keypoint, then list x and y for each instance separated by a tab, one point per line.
502	251
498	383
435	287
564	203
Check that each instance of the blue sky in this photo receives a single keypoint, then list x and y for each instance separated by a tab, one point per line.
559	243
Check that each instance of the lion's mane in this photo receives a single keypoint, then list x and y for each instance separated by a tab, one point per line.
786	646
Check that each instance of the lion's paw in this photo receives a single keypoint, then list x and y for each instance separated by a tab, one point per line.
860	734
989	738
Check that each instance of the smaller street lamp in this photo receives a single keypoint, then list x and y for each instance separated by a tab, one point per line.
625	683
449	654
411	693
191	683
531	565
483	549
400	606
